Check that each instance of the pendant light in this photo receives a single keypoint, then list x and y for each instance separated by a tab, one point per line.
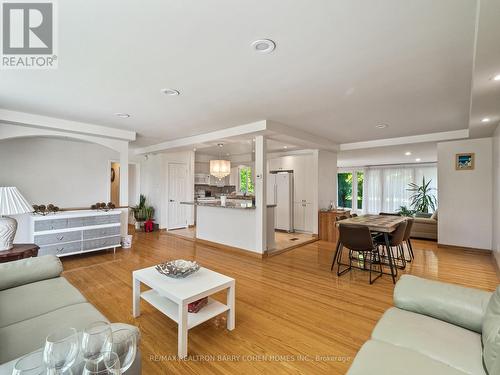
220	168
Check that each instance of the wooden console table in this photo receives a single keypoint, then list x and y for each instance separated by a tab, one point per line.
19	251
327	228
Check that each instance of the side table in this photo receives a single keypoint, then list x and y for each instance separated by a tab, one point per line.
19	251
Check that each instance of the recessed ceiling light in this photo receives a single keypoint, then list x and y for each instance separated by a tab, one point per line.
170	92
264	45
381	126
486	119
407	153
496	77
285	147
418	159
122	115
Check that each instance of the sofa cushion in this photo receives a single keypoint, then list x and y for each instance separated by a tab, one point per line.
454	304
380	358
433	338
435	215
29	270
491	334
28	335
30	300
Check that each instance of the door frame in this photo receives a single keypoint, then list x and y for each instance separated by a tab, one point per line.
167	186
137	180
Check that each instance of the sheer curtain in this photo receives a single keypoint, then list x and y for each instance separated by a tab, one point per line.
385	188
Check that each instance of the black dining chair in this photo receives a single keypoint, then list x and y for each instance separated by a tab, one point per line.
357	238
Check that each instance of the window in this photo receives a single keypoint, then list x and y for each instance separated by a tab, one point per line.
344	189
349	185
386	188
246	182
359	194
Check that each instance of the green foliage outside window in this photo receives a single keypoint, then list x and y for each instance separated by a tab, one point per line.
344	198
246	182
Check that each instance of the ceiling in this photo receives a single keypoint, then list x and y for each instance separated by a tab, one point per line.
426	152
340	67
241	147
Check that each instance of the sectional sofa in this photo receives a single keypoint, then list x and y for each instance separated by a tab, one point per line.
434	328
34	301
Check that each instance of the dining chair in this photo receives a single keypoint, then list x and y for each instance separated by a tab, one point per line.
406	238
357	238
396	241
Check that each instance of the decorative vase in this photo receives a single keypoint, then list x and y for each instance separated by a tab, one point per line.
8	227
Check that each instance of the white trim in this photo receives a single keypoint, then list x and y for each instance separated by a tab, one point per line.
431	137
181	143
53	123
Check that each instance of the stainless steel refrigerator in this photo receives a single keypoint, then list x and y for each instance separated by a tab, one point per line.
280	193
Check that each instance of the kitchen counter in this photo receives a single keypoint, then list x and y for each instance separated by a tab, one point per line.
235	227
217	204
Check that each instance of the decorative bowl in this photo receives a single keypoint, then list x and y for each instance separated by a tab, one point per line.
178	268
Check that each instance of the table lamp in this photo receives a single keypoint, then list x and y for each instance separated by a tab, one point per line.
11	203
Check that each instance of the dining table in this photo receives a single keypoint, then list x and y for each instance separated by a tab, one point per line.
383	224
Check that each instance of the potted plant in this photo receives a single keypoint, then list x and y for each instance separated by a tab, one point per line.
405	211
422	200
142	212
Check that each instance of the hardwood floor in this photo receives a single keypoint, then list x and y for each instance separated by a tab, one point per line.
292	314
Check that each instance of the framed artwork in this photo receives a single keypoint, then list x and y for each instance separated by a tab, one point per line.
464	161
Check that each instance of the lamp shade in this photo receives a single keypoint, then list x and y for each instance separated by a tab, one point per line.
220	168
12	202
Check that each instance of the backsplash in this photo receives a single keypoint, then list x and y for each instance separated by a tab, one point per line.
215	190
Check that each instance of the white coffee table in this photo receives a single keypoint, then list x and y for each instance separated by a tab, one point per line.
172	296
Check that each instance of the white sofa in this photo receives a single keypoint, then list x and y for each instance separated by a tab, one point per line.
434	328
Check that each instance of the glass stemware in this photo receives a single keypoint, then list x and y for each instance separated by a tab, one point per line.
124	344
30	364
96	338
105	363
61	350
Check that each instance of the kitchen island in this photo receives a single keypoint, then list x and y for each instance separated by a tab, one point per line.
232	224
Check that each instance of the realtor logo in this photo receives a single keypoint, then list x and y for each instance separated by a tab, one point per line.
28	35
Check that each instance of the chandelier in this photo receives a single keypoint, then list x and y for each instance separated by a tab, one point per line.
220	168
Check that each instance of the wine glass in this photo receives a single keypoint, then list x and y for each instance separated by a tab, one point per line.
124	344
95	338
30	364
61	350
104	363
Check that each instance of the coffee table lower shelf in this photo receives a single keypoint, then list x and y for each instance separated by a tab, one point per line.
170	309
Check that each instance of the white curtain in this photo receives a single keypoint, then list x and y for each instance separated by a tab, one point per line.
385	188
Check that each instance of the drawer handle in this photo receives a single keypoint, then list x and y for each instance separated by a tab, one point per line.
60	238
60	250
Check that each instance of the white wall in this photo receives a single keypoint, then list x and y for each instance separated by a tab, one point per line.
64	172
496	195
327	178
465	197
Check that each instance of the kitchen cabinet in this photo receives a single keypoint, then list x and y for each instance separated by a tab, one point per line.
303	216
234	177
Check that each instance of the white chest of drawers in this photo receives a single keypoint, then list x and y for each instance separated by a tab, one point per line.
75	232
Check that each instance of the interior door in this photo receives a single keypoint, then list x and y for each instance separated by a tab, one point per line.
177	187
